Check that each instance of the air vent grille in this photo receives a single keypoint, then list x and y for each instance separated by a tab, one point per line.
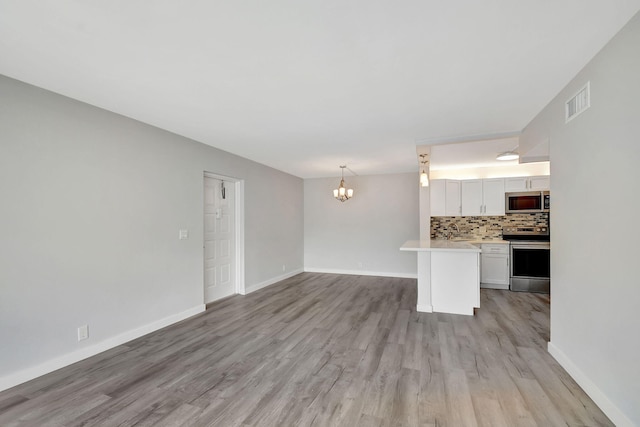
578	103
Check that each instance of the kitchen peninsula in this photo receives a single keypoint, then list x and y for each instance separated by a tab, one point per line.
448	275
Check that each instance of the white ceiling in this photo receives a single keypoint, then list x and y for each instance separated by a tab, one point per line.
305	86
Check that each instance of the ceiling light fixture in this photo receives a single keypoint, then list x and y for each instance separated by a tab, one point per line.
342	193
424	177
508	155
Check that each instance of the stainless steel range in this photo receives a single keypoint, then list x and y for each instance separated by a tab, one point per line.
529	258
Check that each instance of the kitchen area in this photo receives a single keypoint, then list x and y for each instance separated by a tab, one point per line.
489	232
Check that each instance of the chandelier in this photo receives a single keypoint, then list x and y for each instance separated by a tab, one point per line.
342	193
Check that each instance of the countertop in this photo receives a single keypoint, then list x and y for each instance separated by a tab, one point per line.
492	241
439	246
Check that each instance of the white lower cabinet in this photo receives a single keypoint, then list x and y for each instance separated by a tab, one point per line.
494	266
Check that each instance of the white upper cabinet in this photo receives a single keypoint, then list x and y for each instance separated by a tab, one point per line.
539	183
527	183
437	197
472	202
493	196
444	197
483	197
478	197
452	204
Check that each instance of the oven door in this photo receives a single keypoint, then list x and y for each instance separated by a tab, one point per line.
530	266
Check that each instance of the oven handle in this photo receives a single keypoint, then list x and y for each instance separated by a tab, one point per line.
531	245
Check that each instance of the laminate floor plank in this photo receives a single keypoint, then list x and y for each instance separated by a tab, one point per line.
321	350
459	404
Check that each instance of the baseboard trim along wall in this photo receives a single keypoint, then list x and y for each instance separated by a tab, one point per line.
424	308
361	273
257	286
86	352
603	402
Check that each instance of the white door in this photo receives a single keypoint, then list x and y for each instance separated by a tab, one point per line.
219	239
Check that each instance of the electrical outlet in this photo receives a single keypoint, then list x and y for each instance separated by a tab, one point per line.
183	235
83	332
284	267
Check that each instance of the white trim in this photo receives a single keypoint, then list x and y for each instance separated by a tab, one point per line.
424	308
239	209
594	392
361	272
253	288
450	310
28	374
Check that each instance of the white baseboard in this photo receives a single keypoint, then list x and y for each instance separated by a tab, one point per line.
361	272
492	286
271	281
454	310
594	392
424	308
28	374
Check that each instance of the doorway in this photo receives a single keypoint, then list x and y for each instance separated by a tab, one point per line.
222	247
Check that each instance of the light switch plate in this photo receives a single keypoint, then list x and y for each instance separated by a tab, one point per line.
83	332
184	234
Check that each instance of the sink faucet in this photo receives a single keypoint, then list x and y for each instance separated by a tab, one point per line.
454	225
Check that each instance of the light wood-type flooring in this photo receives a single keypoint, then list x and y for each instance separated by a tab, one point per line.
319	350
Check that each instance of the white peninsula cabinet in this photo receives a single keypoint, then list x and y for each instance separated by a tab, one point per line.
527	183
482	197
448	276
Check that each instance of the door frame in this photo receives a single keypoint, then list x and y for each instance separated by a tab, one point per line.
238	185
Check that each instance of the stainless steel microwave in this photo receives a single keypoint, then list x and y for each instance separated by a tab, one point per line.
527	202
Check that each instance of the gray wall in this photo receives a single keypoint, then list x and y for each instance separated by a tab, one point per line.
595	289
362	235
91	207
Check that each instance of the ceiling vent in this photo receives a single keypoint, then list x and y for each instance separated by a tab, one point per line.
578	103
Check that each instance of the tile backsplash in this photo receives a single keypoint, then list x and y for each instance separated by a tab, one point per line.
484	227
